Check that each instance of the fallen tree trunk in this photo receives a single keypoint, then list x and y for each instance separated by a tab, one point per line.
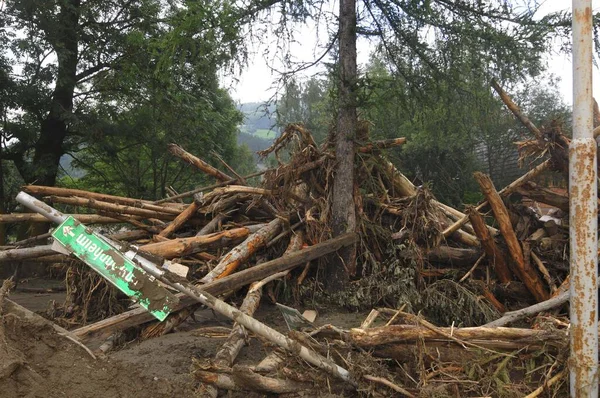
25	253
513	316
489	246
186	246
242	252
181	219
38	218
374	337
114	208
544	195
243	379
526	273
510	188
453	255
106	327
200	164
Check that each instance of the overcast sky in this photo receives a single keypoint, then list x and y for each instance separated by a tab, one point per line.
256	82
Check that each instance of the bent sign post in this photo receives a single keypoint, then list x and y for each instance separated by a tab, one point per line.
115	267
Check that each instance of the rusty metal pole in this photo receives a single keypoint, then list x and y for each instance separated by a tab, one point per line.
583	213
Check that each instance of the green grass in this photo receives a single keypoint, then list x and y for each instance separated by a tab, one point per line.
265	134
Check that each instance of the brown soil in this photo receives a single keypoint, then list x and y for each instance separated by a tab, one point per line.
52	366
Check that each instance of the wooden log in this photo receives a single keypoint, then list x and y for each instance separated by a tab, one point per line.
411	333
510	188
208	188
512	316
244	379
230	349
515	110
453	255
38	218
233	189
26	253
213	225
106	327
243	251
527	274
544	195
186	246
181	219
489	246
381	144
113	208
67	192
200	164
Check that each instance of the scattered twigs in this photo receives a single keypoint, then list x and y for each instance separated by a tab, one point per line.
389	384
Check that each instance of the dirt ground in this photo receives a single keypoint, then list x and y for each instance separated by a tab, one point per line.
49	365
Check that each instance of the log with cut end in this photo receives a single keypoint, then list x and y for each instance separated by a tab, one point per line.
453	255
526	273
243	251
200	164
489	245
106	327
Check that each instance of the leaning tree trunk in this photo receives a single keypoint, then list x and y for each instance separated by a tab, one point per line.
343	210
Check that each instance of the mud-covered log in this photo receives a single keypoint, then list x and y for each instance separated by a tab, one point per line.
200	164
184	246
244	379
489	246
526	273
229	351
411	333
106	327
243	251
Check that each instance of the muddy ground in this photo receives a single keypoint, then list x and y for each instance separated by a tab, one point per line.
49	365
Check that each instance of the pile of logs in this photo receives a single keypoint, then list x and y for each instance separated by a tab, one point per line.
512	258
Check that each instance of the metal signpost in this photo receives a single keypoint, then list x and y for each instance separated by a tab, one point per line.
583	213
106	259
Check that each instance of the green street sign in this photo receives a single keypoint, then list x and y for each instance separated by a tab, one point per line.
115	267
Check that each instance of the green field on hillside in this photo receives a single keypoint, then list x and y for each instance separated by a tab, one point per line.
265	134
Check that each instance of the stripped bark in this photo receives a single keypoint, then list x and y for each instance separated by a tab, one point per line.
489	246
25	253
115	208
515	110
487	336
38	218
244	379
242	252
527	274
185	246
198	163
181	219
513	316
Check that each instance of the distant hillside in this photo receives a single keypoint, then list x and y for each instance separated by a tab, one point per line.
259	120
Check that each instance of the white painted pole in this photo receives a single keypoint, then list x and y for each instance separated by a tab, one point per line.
583	213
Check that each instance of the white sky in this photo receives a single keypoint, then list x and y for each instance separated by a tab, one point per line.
256	82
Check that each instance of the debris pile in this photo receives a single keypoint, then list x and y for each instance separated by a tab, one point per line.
445	284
